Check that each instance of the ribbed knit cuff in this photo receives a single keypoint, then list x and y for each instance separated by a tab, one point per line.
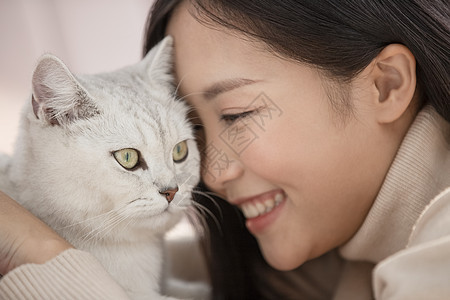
73	274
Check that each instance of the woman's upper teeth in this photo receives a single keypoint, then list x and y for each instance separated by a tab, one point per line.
252	209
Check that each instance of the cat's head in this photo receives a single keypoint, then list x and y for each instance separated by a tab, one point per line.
116	145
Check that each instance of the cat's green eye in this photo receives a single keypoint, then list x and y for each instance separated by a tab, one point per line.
127	158
180	152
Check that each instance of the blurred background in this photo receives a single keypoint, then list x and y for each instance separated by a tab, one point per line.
90	36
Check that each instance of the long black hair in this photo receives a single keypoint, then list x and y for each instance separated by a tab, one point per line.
339	37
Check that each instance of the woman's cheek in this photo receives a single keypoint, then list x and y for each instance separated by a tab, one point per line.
264	157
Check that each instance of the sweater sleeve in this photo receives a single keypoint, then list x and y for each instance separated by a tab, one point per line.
74	274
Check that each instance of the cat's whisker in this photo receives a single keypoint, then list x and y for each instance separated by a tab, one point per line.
216	204
214	194
203	211
198	221
125	226
110	217
94	218
111	227
87	220
179	84
191	109
209	196
190	94
95	233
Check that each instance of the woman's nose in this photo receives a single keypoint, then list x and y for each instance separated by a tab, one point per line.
220	166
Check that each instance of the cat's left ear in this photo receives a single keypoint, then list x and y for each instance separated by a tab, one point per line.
58	98
158	63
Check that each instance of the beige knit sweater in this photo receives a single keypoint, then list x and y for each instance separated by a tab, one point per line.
402	250
407	231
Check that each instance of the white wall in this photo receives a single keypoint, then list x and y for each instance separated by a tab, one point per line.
88	35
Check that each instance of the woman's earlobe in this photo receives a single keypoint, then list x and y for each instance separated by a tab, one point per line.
395	81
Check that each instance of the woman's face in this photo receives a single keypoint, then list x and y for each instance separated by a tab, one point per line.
275	146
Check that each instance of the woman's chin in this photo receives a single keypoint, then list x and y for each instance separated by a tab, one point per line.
283	260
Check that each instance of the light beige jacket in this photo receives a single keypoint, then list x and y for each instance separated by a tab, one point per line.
402	250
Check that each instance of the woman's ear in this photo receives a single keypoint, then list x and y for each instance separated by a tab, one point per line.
394	77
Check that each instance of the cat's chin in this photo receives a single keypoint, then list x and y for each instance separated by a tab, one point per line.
158	222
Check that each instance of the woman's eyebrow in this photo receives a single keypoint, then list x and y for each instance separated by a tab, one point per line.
226	85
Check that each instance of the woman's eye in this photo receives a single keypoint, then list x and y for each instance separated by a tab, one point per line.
127	158
198	127
231	118
180	152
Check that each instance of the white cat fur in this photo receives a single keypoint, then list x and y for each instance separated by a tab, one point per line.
64	172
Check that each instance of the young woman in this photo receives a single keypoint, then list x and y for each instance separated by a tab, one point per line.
327	125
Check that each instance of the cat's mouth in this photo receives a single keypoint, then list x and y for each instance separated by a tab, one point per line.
144	200
154	206
139	199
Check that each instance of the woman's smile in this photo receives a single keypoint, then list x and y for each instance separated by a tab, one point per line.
259	205
261	210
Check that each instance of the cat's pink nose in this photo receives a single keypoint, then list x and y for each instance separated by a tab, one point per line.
169	193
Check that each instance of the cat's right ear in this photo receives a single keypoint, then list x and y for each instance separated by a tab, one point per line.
158	63
58	98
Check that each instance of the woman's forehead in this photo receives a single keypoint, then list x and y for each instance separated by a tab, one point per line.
204	54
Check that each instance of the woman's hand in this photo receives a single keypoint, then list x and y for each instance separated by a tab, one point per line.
24	238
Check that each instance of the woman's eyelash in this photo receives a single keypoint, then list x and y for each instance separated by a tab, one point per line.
231	118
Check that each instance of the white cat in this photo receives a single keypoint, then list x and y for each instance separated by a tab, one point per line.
108	161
